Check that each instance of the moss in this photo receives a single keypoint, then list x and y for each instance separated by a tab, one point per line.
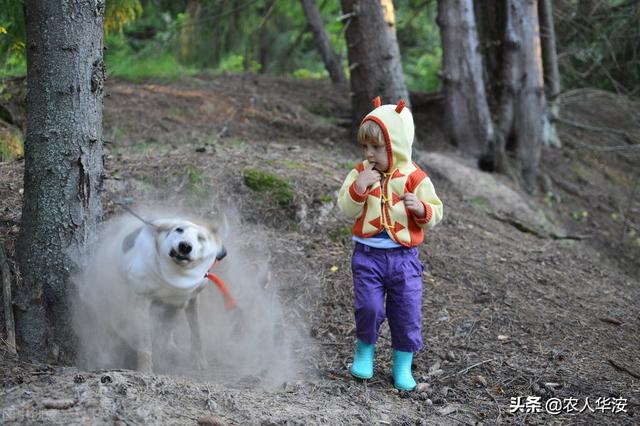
273	186
481	203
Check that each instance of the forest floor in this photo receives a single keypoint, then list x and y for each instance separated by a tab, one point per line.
525	297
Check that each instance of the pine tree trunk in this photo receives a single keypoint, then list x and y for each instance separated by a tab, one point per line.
374	57
490	21
531	102
332	61
522	104
467	120
63	166
551	72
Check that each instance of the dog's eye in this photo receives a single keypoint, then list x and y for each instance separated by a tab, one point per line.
201	238
179	230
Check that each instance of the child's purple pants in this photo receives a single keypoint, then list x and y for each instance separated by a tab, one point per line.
396	273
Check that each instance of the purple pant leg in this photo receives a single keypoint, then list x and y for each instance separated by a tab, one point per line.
368	287
404	300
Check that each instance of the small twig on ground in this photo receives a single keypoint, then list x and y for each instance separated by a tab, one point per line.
59	404
497	405
595	129
475	365
8	302
624	368
610	320
523	227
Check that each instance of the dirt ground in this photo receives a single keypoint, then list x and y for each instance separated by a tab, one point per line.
508	314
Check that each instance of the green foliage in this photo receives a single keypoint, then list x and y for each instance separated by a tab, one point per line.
11	144
277	188
119	13
124	61
12	39
598	44
419	40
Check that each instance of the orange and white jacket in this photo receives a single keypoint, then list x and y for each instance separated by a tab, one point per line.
380	207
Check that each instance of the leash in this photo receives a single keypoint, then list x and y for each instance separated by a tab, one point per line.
129	210
229	301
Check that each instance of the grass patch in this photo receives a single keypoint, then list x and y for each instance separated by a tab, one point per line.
198	186
163	65
273	186
293	165
481	203
342	234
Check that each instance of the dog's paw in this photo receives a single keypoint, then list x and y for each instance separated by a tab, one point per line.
145	363
201	362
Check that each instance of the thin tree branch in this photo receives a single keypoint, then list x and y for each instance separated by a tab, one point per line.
8	302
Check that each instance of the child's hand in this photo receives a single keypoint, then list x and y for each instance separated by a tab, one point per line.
414	205
366	178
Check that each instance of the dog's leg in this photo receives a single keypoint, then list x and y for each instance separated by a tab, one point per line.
196	342
142	331
164	318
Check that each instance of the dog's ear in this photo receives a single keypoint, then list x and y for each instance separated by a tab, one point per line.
130	240
223	228
220	227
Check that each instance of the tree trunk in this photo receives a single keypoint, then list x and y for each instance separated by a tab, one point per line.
189	32
467	119
551	72
490	21
522	102
331	60
63	166
374	57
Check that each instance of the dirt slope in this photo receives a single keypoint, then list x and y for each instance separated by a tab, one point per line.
508	311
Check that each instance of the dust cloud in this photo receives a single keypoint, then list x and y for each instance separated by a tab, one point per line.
254	343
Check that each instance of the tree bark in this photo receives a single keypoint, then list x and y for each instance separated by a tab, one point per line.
522	103
63	167
467	119
551	72
332	61
374	57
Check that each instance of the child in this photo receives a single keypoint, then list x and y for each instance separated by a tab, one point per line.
393	202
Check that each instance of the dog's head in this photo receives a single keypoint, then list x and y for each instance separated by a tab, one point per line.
188	244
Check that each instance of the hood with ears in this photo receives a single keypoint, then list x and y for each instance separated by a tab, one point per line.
396	123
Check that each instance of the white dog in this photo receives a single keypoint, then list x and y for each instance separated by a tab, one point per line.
141	278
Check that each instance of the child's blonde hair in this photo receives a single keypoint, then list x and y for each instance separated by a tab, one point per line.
370	131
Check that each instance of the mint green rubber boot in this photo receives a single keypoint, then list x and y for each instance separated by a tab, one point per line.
362	366
401	370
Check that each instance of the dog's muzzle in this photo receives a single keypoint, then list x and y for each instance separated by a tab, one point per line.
182	254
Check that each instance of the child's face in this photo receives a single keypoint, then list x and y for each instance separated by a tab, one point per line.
376	154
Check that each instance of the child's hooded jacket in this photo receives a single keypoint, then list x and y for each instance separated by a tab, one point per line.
381	208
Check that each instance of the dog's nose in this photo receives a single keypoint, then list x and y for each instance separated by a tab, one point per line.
184	248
